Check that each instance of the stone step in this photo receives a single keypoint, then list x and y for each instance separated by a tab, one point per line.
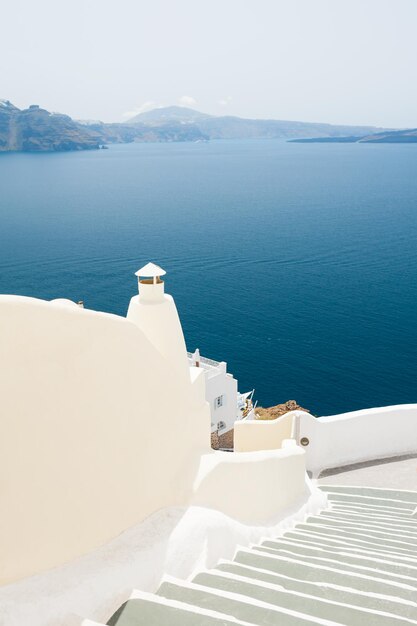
372	502
390	567
241	607
324	608
394	513
411	524
399	545
372	517
337	593
374	526
390	494
337	546
147	609
303	570
340	565
363	529
367	543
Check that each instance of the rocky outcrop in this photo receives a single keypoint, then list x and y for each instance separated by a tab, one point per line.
273	412
8	114
36	130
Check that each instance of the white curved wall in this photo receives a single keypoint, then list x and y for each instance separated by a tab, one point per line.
365	435
252	487
97	431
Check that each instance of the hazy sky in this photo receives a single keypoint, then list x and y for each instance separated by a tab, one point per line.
339	61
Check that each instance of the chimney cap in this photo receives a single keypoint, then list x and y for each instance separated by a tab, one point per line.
150	270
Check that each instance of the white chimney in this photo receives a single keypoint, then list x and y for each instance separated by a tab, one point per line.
155	313
150	284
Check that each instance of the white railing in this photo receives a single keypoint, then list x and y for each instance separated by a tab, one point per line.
204	360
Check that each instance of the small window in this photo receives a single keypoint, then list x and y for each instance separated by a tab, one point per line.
221	425
218	402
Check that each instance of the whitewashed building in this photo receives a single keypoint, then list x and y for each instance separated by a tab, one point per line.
226	403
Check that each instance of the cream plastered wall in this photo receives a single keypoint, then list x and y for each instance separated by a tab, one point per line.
262	434
102	423
97	431
252	487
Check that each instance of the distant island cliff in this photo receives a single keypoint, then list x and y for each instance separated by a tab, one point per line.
395	136
37	130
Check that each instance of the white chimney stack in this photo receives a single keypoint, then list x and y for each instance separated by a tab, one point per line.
150	284
156	315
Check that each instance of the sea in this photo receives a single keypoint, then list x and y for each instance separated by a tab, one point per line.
294	263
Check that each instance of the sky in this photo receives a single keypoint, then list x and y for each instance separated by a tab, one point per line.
336	61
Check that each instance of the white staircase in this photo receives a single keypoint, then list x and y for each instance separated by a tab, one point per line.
354	564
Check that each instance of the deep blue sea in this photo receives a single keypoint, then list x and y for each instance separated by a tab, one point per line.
295	263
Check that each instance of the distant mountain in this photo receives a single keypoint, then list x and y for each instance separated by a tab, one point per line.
162	132
230	127
395	136
36	130
169	114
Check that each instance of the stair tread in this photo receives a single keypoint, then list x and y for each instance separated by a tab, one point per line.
342	611
400	544
243	608
342	543
152	612
287	546
297	568
329	592
358	526
372	501
391	494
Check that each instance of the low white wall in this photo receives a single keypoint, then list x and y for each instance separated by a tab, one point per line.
358	436
251	487
336	440
262	434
